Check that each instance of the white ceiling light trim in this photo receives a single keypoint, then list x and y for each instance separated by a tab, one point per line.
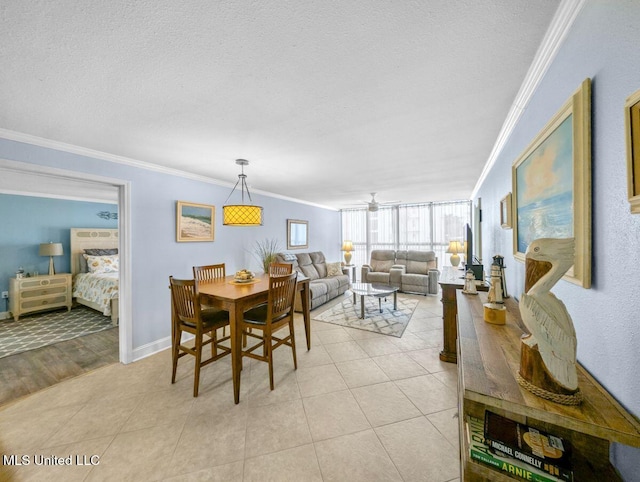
558	30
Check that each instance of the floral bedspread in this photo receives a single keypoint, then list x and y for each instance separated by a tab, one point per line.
98	288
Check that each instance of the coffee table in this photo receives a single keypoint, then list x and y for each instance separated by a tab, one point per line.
377	291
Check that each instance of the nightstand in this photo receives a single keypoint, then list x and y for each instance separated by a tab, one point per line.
38	293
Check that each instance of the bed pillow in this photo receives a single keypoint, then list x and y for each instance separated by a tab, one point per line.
102	264
94	252
101	251
334	269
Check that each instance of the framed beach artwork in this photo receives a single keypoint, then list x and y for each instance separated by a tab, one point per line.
297	234
194	222
552	185
632	128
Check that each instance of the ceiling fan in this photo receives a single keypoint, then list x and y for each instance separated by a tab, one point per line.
374	205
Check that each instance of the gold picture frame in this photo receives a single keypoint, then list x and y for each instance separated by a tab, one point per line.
632	134
194	222
552	185
505	212
297	234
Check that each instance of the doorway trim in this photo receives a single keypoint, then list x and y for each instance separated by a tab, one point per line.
125	344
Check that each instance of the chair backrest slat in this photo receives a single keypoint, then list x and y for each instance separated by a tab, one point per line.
279	269
282	291
211	272
186	303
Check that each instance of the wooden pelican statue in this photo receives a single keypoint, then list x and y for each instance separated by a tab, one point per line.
548	354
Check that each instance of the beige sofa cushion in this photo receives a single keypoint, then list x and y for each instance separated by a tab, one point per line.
306	265
382	260
319	263
420	262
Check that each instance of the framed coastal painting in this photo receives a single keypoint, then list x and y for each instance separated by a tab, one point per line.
552	185
297	234
632	133
505	212
194	222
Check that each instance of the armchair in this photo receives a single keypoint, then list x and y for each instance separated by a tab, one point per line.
382	268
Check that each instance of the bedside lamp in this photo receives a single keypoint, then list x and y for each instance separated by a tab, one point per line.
347	247
51	250
454	248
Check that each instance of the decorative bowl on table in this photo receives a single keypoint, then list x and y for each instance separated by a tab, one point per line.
244	276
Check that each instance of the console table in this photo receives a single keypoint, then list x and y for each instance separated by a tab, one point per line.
488	362
451	279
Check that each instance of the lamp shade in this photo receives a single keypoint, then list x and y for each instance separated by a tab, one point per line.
241	215
51	249
455	247
347	246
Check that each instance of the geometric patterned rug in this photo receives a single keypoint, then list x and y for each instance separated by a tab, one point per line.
389	322
35	331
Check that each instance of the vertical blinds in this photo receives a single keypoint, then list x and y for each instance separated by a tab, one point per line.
424	226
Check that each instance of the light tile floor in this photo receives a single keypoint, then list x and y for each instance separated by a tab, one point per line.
360	407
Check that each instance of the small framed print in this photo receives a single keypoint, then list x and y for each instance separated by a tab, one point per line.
194	222
297	234
632	128
505	212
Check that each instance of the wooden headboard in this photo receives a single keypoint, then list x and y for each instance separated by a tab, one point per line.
85	238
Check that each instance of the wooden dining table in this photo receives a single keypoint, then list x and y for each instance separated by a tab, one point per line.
236	298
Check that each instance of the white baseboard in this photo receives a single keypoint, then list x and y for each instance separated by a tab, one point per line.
5	315
151	348
156	346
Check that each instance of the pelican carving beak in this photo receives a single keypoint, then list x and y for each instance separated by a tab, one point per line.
534	270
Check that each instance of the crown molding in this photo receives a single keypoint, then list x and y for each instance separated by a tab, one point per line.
560	25
105	156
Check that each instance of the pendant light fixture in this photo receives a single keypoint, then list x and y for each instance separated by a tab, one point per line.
241	214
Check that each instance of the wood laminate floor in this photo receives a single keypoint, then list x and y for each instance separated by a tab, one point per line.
28	372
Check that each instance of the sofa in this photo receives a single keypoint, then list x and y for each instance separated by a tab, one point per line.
327	280
410	271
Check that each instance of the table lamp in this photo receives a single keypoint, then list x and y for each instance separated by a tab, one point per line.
51	250
454	248
347	247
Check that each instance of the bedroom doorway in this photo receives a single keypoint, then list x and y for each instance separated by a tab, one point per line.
33	180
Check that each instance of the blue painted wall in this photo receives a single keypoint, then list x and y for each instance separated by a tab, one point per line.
603	44
28	221
155	253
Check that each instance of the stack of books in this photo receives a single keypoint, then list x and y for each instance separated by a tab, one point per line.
519	450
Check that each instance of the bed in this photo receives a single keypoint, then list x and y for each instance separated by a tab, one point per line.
96	287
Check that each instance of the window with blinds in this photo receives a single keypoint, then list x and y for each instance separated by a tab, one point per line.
424	226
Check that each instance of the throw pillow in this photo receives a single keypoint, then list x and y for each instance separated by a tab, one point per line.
334	269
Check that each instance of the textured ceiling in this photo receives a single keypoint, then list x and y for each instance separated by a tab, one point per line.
328	100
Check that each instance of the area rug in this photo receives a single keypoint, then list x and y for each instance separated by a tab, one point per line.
389	322
38	330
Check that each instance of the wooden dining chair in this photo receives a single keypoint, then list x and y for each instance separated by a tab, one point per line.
269	318
206	274
279	269
189	316
211	272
